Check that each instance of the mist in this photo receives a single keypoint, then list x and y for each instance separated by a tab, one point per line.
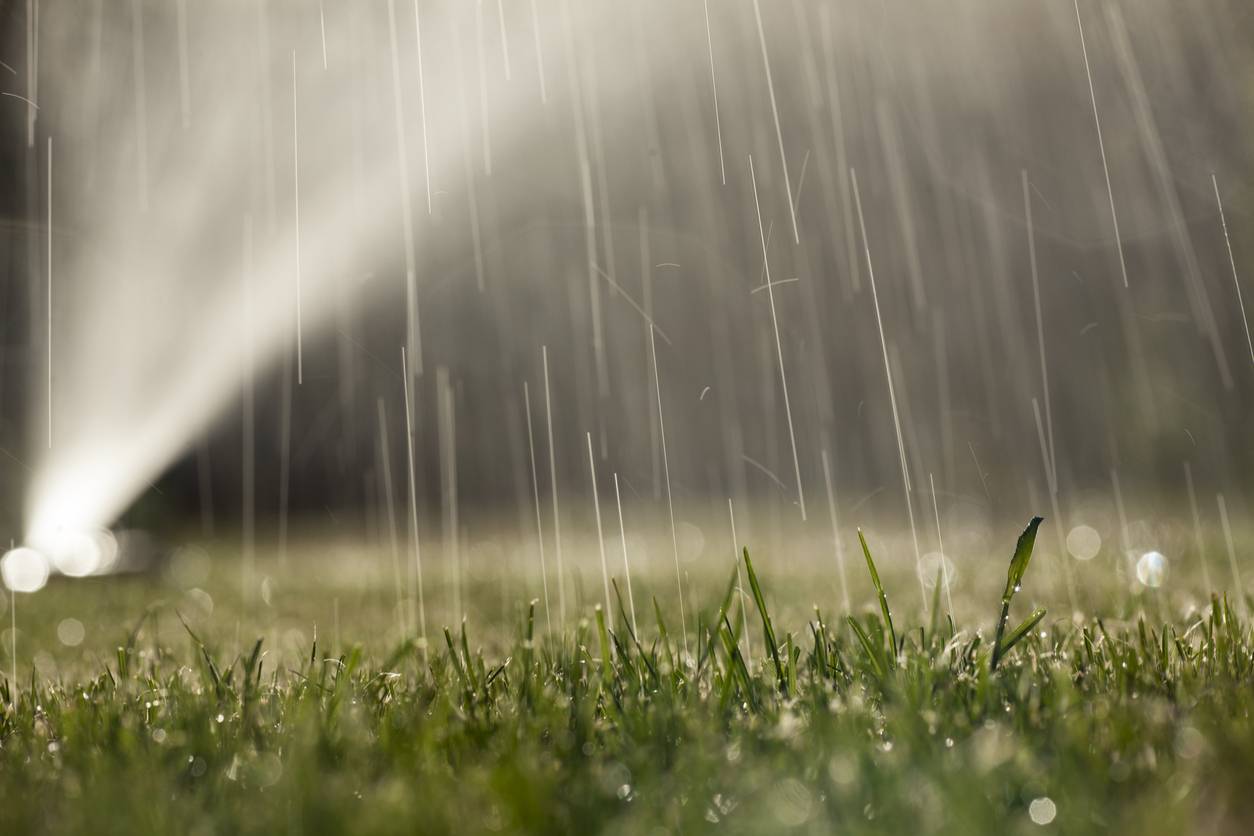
969	253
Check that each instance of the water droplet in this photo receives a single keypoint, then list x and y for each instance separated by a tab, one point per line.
70	632
1151	569
1084	542
24	570
1042	810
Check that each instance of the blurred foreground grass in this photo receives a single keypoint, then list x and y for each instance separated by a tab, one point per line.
172	703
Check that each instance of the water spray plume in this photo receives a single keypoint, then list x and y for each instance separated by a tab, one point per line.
149	335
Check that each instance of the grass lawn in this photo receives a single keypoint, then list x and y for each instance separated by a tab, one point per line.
168	703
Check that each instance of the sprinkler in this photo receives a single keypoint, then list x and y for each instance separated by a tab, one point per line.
63	551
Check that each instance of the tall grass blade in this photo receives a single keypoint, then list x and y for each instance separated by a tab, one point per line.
883	598
768	632
1014	581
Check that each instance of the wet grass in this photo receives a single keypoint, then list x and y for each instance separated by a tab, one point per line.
863	724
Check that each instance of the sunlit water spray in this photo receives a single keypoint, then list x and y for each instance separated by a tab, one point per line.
220	239
228	177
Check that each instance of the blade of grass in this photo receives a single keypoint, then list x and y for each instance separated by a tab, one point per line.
1014	581
883	599
768	631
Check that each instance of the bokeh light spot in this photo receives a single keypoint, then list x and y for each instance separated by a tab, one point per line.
1042	810
24	570
1151	569
70	632
1083	542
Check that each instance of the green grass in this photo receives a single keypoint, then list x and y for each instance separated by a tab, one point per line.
859	724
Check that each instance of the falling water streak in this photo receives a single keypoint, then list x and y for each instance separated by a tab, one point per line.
596	504
940	544
1125	541
185	88
535	31
622	536
602	188
1040	333
590	223
500	16
1151	143
838	132
32	75
648	320
335	619
267	123
888	374
979	470
141	101
779	135
765	471
13	637
468	172
204	472
902	200
779	349
1197	529
1232	261
1101	144
718	124
49	266
322	26
1068	580
413	334
447	431
646	297
837	548
483	91
557	517
1232	551
285	457
300	360
583	160
801	179
422	106
413	507
1165	182
385	458
744	609
248	454
666	474
535	492
944	397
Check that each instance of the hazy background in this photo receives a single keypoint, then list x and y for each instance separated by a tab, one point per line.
581	143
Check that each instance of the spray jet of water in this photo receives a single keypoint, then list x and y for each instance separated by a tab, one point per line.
152	341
